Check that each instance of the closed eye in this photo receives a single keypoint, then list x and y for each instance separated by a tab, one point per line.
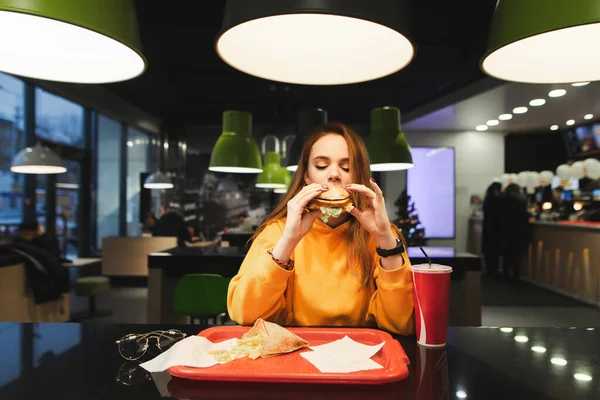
320	166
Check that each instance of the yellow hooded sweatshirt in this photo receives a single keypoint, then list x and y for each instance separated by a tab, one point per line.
322	289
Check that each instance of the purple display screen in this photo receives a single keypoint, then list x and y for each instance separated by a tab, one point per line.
430	184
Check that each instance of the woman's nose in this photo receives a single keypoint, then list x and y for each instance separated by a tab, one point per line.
334	177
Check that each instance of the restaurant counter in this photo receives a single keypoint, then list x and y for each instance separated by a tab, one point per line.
81	361
564	257
166	267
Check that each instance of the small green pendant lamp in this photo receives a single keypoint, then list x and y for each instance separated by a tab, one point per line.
544	41
90	41
273	175
387	146
236	150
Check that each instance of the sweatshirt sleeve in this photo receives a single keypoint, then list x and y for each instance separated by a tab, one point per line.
391	307
258	289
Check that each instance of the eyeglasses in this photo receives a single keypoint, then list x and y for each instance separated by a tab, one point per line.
134	346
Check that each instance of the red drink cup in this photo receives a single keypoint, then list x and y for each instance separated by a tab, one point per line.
431	370
431	290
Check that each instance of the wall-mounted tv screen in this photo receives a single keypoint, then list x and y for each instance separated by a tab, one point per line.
430	183
583	139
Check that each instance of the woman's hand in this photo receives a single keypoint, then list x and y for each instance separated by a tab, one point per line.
374	219
299	221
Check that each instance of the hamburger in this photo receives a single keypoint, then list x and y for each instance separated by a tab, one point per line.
332	203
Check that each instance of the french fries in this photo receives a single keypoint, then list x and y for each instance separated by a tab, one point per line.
250	347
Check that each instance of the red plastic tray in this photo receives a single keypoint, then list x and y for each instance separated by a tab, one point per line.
292	368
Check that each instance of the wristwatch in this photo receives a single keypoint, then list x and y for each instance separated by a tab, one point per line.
399	249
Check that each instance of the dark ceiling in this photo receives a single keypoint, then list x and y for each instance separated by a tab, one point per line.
187	83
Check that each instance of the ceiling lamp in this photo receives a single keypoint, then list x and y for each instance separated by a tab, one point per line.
387	146
319	42
544	41
273	175
158	180
307	121
236	150
37	160
71	40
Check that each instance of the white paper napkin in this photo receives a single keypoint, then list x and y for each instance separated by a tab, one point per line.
343	356
190	352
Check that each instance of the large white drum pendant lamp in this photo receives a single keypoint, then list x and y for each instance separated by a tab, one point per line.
315	42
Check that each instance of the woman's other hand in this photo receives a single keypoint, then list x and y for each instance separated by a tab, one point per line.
374	218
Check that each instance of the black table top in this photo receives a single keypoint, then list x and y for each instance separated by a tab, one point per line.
80	361
232	257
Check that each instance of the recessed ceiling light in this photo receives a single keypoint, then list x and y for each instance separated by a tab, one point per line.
521	339
506	329
577	84
461	394
520	110
570	122
582	377
558	361
537	102
588	116
554	127
557	93
505	117
481	127
538	349
492	122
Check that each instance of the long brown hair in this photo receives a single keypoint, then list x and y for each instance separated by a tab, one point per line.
358	252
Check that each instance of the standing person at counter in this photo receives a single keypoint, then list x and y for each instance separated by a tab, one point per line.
302	271
491	235
515	231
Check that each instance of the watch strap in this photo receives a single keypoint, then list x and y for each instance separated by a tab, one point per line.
399	249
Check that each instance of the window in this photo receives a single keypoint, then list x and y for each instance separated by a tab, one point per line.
12	140
139	159
58	119
109	167
431	186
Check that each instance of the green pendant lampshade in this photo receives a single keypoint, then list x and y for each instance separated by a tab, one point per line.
37	160
79	41
544	41
236	150
387	146
349	41
307	121
273	175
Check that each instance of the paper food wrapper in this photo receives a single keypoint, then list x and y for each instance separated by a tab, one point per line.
343	355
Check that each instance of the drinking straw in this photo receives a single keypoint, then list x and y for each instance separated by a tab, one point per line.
426	256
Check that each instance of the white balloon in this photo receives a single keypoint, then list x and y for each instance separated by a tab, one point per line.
546	177
593	171
590	164
522	178
577	170
564	172
512	178
535	178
